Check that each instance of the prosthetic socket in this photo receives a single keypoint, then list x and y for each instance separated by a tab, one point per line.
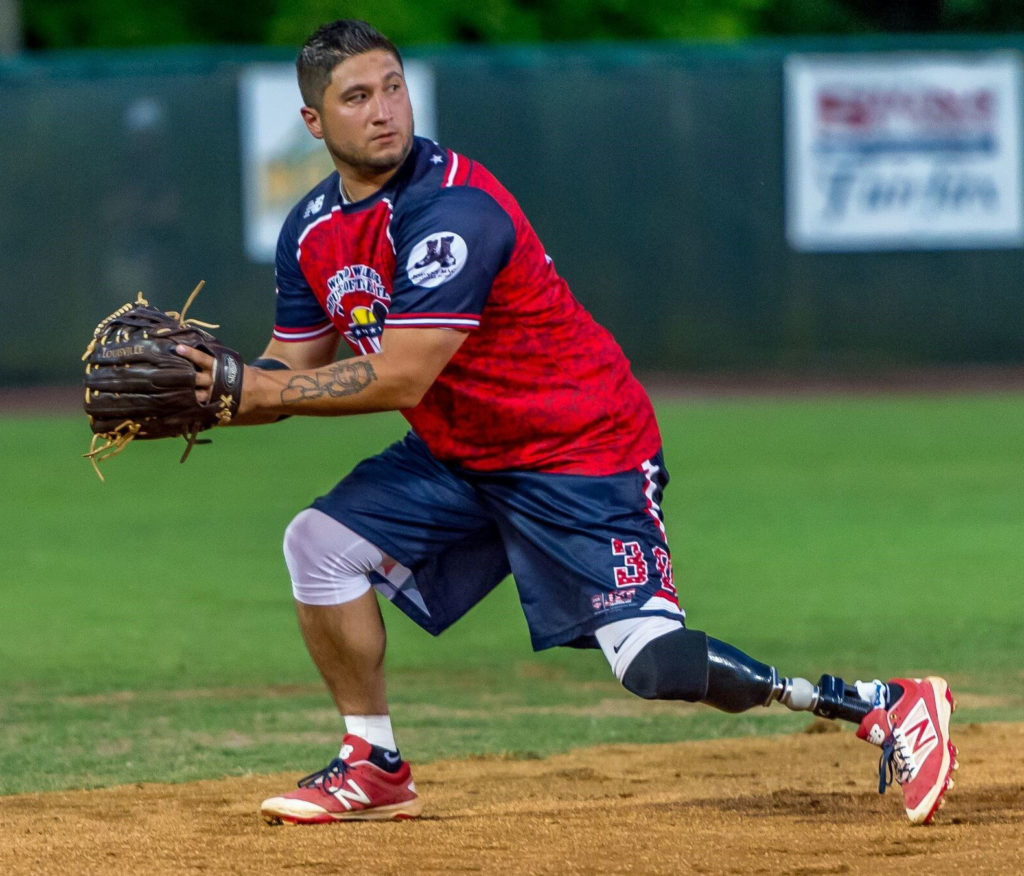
690	665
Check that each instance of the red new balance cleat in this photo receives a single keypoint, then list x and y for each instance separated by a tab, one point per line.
349	788
916	751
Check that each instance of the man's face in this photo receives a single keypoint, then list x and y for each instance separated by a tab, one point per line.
366	118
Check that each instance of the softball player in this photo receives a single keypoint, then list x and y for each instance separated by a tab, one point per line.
533	450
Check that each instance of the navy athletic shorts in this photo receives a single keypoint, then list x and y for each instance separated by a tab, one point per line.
584	551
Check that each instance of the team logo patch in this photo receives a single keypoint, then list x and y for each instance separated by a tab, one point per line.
366	321
436	259
358	302
354	278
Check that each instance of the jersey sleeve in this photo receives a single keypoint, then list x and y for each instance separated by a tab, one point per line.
448	250
299	316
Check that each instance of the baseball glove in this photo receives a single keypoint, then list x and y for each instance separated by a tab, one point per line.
136	386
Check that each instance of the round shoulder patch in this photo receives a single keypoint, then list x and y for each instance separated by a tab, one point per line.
436	259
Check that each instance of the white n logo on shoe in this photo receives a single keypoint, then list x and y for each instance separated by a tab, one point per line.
916	739
346	797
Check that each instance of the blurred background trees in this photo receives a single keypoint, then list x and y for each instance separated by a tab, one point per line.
65	24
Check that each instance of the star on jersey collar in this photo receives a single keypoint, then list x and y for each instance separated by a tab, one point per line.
436	158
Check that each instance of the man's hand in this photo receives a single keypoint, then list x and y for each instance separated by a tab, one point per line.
396	378
204	366
138	387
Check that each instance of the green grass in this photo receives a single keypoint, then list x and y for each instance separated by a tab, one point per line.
147	632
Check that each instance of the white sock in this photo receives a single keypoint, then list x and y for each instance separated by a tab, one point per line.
874	692
375	729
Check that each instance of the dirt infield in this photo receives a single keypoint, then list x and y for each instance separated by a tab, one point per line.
805	803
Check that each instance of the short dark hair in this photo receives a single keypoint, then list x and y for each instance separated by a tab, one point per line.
328	46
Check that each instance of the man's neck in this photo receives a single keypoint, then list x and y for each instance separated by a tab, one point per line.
355	187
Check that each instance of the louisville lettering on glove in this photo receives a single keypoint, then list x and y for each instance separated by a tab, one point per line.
136	386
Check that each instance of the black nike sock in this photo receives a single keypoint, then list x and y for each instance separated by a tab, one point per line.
895	692
387	759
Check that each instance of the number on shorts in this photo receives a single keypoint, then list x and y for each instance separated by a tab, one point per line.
634	571
663	563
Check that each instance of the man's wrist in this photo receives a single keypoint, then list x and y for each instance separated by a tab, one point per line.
264	394
259	394
265	363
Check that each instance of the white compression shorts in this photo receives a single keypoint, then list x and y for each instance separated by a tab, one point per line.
622	640
328	562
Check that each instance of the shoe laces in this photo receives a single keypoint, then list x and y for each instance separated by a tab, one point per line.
894	762
334	769
886	769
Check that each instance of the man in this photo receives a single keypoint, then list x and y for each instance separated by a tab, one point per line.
533	450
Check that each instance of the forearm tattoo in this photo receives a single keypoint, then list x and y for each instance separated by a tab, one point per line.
340	379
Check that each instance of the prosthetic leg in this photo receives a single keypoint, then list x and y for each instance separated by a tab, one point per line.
690	665
737	682
907	718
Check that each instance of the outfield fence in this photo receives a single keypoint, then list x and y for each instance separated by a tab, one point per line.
655	174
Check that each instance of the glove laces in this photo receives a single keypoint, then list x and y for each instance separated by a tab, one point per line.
105	445
188	303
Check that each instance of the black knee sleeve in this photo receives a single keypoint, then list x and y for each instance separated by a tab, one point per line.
671	667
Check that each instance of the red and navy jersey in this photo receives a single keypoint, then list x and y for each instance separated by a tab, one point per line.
537	385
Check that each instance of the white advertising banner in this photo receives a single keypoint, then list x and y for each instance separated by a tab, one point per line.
903	151
281	160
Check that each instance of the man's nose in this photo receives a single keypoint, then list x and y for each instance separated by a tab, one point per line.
382	108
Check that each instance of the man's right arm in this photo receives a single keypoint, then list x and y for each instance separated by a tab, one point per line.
292	356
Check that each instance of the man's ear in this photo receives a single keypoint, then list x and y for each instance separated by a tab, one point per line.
311	117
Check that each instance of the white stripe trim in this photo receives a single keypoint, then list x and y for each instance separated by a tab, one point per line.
660	603
405	321
304	336
325	218
387	227
653	508
455	167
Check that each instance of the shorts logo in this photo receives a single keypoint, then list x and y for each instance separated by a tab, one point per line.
601	601
436	259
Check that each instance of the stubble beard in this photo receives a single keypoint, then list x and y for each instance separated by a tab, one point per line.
369	165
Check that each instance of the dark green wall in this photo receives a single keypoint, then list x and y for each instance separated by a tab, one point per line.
654	175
